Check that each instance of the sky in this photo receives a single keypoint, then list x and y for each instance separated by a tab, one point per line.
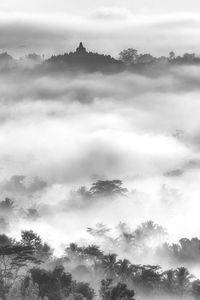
143	6
49	27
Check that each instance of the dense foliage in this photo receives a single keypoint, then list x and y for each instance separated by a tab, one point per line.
29	271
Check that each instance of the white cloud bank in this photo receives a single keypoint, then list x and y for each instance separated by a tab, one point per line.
71	130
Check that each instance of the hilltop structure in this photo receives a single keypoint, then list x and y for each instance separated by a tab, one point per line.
83	60
81	49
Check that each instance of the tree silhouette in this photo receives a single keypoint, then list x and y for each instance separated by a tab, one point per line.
48	283
128	56
14	260
172	55
110	265
183	280
7	205
31	239
124	270
196	289
83	289
150	278
100	230
106	188
169	281
108	291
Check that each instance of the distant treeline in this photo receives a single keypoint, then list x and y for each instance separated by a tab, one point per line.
128	59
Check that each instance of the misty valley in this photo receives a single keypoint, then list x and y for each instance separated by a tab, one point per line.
99	176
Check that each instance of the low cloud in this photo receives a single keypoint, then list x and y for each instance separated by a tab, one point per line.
103	30
111	14
72	129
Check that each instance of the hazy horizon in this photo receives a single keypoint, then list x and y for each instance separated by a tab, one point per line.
50	27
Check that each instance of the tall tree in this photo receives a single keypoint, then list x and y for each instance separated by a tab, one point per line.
124	270
183	280
128	56
110	265
106	188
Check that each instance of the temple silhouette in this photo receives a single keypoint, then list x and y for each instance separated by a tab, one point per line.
81	49
84	60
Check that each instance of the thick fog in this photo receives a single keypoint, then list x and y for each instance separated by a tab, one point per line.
60	132
99	149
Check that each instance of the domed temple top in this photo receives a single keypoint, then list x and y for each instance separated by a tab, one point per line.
81	49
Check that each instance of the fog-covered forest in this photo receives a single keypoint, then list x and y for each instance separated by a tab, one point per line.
111	263
99	150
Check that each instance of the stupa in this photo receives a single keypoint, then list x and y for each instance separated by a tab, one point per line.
81	49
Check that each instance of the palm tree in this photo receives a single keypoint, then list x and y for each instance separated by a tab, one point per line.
150	278
93	252
124	270
110	265
74	252
183	280
169	281
109	291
